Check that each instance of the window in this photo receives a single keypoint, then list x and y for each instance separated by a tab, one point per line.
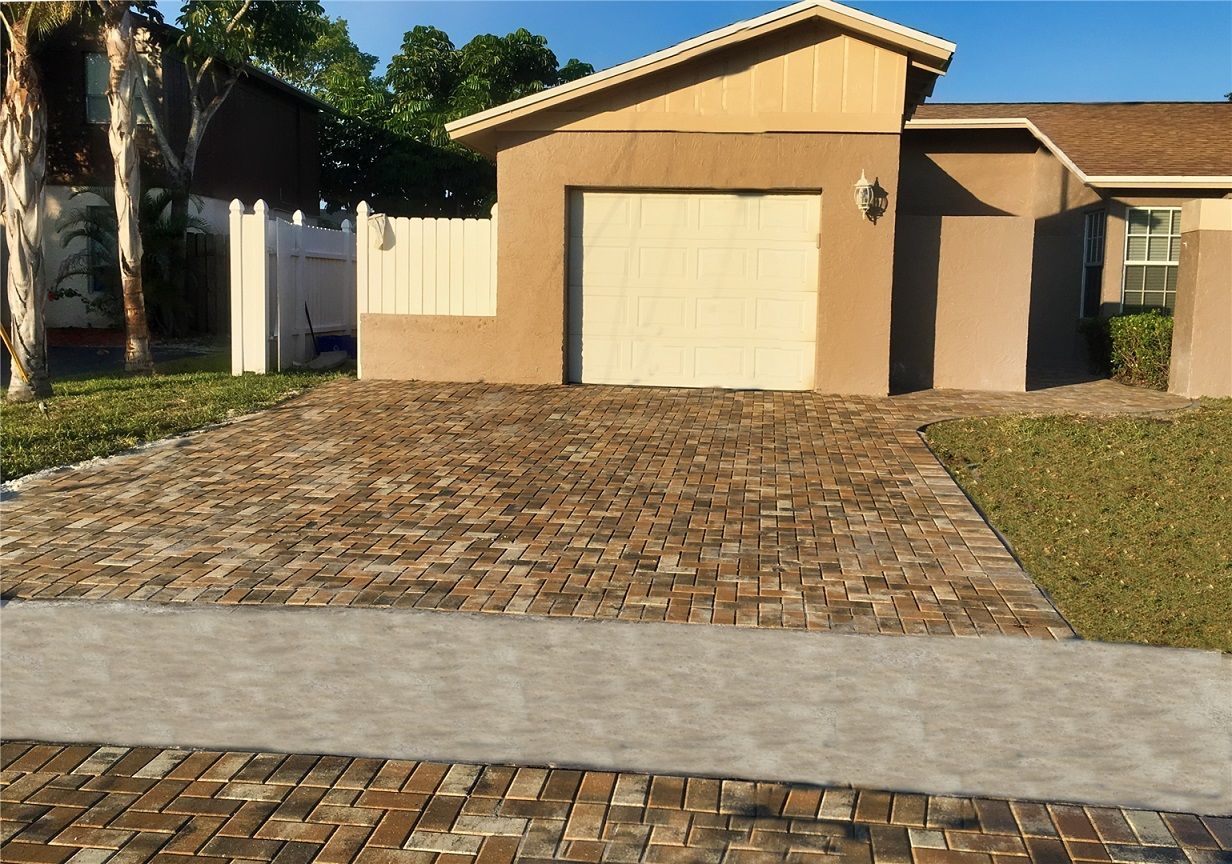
98	71
1092	261
1152	251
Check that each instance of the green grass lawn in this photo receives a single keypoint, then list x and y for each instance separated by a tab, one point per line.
1127	522
90	417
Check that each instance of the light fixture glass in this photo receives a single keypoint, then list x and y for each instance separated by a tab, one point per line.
864	193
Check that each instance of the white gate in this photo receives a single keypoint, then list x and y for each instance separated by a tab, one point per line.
288	281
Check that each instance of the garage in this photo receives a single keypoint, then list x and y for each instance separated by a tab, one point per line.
693	289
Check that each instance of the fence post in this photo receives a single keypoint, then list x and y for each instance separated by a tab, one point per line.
235	252
257	273
362	251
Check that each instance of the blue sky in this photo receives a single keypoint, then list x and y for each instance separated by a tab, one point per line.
1007	51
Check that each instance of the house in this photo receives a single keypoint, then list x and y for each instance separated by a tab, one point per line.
697	217
262	143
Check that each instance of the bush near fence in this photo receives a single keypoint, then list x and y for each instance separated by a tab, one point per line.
1134	349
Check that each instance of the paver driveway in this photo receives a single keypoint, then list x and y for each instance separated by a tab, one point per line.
80	803
750	508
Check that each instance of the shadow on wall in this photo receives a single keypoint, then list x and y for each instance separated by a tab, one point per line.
929	196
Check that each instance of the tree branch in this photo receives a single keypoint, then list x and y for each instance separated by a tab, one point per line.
231	25
156	123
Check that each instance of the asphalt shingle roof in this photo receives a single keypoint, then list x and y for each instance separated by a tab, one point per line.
1120	138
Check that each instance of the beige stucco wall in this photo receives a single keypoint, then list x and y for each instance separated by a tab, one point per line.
963	261
1202	325
1003	173
962	300
1060	202
525	341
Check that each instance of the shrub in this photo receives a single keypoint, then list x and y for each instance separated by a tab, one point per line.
1140	348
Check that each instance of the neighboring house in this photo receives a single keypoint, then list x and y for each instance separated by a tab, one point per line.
262	143
689	218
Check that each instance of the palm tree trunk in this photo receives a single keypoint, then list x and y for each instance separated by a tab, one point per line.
121	98
23	161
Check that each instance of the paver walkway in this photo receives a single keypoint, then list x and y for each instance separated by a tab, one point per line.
85	803
789	510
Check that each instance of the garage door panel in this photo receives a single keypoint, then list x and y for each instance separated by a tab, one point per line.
663	314
784	317
720	263
655	264
693	289
724	211
793	265
722	314
665	211
723	364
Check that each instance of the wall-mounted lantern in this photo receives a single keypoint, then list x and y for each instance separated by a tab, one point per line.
871	199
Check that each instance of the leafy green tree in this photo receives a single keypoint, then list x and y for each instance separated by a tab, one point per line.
387	143
433	82
218	40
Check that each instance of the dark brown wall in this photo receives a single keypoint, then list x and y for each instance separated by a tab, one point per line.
262	143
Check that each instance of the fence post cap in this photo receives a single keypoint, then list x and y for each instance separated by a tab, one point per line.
237	206
260	207
362	209
346	225
493	211
298	217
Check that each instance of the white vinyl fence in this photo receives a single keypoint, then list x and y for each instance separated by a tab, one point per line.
288	280
425	266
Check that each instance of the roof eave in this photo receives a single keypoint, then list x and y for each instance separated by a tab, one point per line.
1146	181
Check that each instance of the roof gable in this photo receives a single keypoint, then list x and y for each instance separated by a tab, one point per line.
794	46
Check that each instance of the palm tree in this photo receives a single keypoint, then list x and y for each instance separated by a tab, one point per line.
121	99
23	168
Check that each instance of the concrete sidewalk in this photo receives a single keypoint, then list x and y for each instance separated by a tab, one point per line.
1004	717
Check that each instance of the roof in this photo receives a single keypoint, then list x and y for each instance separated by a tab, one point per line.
170	31
1109	144
925	51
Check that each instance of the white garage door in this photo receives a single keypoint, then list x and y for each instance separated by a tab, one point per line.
693	289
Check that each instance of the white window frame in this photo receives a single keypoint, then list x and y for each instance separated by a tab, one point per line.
139	104
1173	262
1094	239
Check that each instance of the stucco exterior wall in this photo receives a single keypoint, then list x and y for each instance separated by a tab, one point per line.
962	300
963	261
1060	202
1000	173
525	342
1202	325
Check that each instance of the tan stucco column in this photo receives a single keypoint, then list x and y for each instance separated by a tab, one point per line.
1202	334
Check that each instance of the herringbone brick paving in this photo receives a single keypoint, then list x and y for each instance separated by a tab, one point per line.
790	510
84	803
